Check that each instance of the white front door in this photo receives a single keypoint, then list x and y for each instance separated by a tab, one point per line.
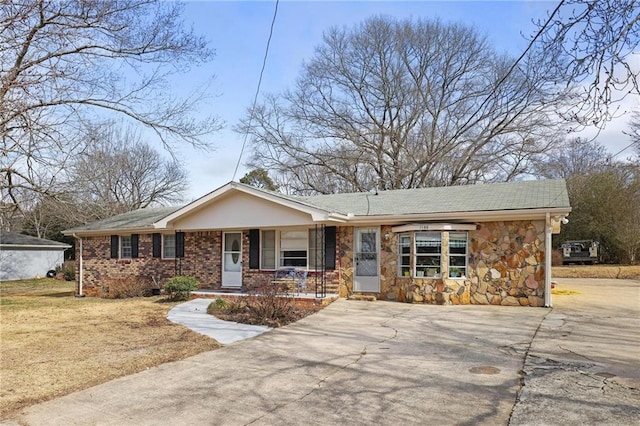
367	276
232	259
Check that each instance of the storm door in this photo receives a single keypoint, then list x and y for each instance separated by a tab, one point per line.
232	259
367	269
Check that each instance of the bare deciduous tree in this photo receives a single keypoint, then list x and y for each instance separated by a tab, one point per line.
120	173
592	43
634	133
573	157
403	104
116	174
67	63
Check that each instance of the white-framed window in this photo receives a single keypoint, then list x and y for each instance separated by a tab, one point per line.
299	248
125	247
294	247
428	254
458	254
268	250
316	247
404	255
168	246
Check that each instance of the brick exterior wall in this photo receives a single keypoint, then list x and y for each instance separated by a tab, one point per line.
202	260
99	269
253	278
505	266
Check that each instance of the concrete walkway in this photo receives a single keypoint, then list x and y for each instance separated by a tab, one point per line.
193	314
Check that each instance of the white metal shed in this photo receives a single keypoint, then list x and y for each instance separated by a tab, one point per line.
23	256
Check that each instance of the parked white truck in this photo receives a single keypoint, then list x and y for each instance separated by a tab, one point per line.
580	251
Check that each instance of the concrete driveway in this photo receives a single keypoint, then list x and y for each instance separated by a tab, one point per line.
375	363
584	364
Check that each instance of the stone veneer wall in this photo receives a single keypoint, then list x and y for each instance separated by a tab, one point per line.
505	267
508	263
344	253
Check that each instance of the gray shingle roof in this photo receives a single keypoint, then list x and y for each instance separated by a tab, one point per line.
137	219
468	198
12	239
538	194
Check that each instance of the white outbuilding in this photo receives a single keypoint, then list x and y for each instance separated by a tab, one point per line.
23	256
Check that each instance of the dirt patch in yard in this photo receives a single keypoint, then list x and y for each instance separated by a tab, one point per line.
628	272
54	343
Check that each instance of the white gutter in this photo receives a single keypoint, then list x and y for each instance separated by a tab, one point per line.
547	261
35	246
476	216
80	294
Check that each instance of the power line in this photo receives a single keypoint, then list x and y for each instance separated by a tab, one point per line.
517	61
623	149
255	98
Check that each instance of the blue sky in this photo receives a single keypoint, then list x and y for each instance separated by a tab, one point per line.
238	31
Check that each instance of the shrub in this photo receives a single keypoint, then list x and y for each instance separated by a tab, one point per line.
69	272
217	305
122	288
268	304
272	303
180	287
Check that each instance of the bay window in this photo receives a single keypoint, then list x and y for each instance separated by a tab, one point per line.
428	254
404	255
420	254
457	254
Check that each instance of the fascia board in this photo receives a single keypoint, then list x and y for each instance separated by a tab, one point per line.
34	246
112	231
434	227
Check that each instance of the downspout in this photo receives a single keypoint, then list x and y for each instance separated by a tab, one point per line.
80	267
547	261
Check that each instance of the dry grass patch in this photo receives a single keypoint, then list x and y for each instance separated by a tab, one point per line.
564	292
54	343
629	272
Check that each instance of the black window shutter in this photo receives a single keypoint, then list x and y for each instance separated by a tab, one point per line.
179	244
114	246
134	245
330	248
254	249
157	245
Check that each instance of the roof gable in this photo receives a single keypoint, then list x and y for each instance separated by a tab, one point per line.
266	199
239	210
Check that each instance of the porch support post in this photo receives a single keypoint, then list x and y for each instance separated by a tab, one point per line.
547	261
80	267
